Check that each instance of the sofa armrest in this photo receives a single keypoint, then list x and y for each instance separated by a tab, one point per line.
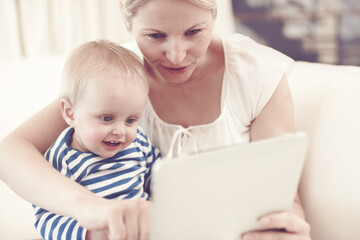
26	86
17	216
327	107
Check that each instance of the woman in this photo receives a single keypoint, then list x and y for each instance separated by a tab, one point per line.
220	91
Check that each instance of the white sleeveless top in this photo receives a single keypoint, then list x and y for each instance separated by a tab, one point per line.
252	73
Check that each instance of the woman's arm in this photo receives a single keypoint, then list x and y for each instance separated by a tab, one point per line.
275	119
25	170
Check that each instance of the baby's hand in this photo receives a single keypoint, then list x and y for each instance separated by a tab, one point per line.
97	235
117	219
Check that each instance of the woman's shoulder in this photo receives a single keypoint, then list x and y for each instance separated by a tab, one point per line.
254	69
239	41
238	45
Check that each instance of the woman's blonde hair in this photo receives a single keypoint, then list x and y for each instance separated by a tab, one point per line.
130	7
92	57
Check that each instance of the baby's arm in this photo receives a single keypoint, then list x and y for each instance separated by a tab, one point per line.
130	220
53	226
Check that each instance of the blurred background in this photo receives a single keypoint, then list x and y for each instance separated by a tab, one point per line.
324	31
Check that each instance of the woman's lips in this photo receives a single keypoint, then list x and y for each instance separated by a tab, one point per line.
176	70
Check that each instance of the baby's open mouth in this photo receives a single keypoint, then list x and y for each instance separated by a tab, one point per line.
112	143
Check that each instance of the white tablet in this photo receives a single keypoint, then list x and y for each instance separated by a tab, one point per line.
221	193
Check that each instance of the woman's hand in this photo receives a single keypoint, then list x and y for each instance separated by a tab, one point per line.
116	219
289	225
281	226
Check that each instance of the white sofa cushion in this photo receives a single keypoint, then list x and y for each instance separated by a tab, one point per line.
327	107
26	85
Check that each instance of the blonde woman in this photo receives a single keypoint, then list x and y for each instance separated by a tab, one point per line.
221	90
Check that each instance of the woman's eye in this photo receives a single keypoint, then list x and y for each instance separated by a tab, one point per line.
156	35
193	32
107	118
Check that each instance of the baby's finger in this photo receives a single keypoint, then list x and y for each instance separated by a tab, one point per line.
117	230
144	222
131	221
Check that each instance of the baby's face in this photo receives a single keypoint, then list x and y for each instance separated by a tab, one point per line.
107	113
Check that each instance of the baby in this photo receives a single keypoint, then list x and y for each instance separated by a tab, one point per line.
103	94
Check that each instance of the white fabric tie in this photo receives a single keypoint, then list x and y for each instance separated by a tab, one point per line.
179	137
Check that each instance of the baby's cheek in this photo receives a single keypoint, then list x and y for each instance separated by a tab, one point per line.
132	136
97	135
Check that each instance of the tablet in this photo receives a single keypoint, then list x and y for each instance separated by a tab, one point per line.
220	194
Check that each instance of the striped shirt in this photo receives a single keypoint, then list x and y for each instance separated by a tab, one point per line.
123	176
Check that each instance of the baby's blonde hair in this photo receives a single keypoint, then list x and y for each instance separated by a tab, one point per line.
88	59
130	7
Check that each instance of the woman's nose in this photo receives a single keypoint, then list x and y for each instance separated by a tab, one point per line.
176	51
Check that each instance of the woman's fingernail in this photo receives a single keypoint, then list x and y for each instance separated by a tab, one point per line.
265	221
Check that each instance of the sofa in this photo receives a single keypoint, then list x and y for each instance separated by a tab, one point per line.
327	107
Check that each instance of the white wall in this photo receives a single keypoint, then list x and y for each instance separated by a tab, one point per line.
50	27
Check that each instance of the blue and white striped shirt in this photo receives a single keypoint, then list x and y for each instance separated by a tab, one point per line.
123	176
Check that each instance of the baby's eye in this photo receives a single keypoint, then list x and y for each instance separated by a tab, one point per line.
130	121
193	32
156	36
107	118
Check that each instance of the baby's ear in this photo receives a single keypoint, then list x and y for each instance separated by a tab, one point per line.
67	111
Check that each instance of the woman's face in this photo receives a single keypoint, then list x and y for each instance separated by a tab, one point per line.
173	36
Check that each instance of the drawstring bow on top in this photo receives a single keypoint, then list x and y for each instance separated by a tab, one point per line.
180	137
